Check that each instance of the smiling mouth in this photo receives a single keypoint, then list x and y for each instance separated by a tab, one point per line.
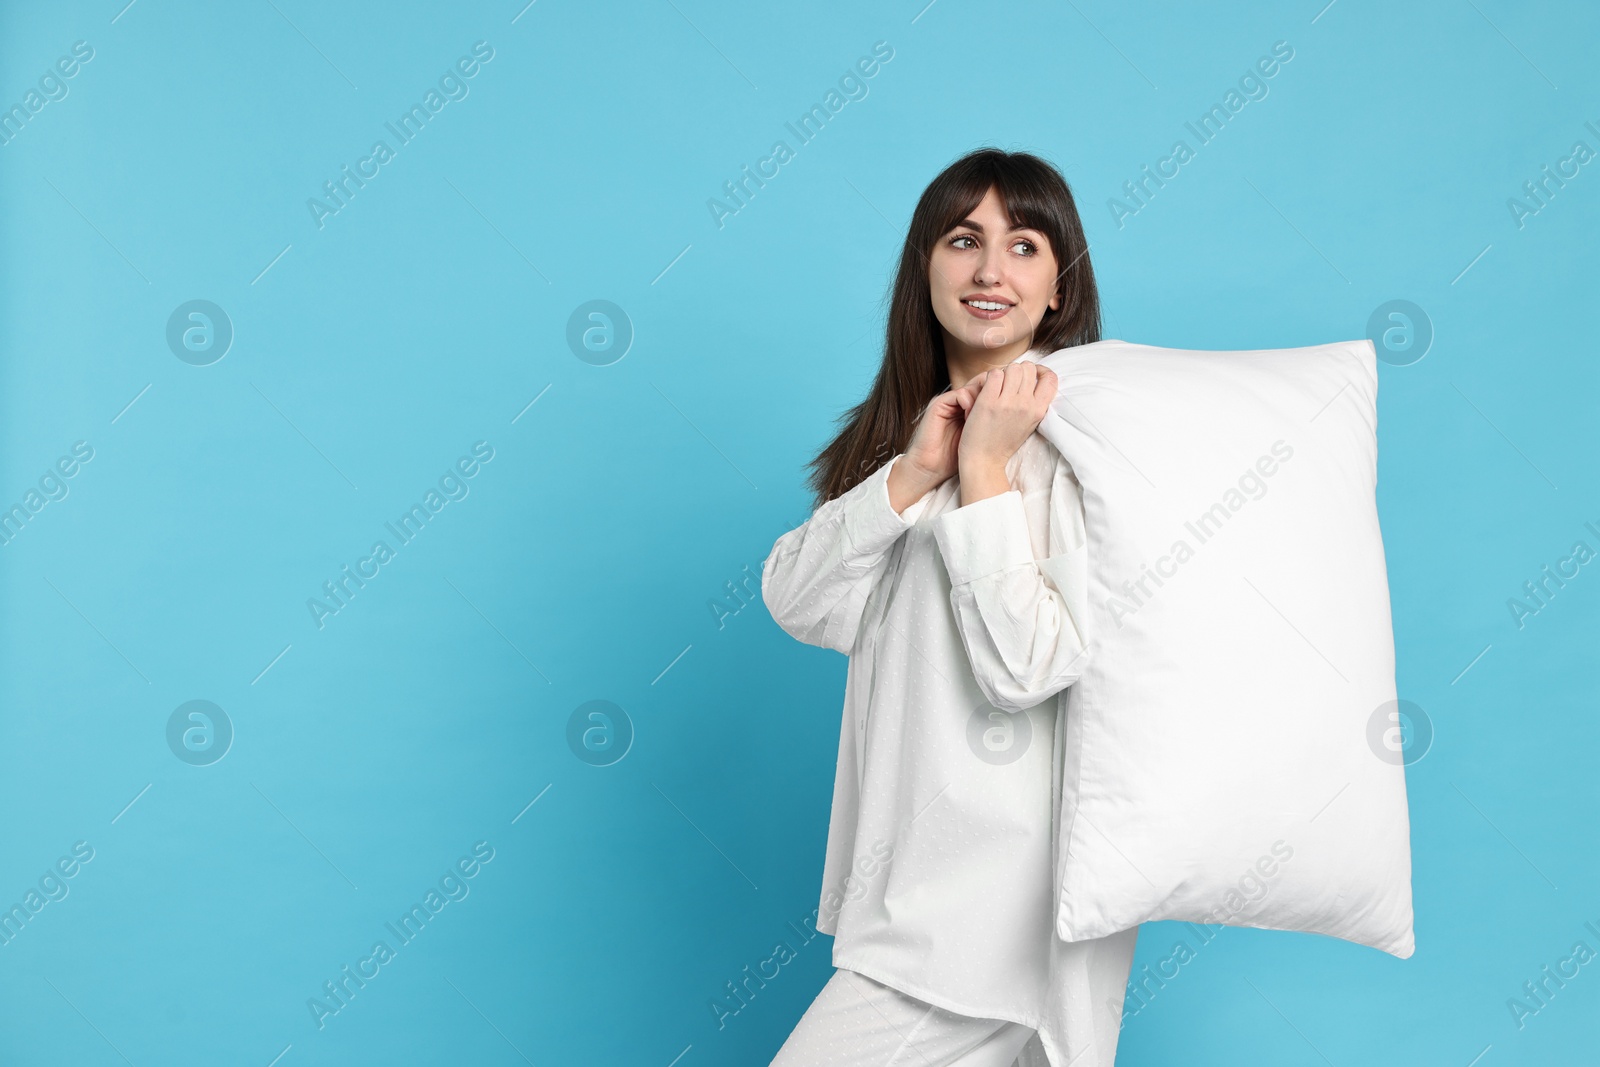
987	309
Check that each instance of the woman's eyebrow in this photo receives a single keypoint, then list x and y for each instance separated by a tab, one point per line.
973	225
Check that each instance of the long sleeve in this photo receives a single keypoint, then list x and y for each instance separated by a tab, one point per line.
1022	618
818	576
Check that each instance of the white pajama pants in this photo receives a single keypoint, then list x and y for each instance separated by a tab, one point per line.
858	1022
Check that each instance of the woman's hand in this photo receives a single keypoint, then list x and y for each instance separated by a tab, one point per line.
1008	405
931	457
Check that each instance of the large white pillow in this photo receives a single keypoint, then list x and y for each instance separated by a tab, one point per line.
1228	752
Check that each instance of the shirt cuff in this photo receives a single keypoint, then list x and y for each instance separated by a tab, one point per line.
983	537
870	522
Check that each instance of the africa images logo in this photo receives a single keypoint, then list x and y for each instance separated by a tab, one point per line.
452	485
338	192
1205	526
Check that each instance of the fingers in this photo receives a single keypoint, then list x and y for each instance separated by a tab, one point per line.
1023	382
1036	381
1047	385
1023	387
973	388
1027	376
1019	379
966	398
994	385
946	411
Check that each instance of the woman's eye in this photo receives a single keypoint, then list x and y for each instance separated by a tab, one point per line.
957	242
1027	247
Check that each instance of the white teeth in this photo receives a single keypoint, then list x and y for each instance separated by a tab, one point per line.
987	305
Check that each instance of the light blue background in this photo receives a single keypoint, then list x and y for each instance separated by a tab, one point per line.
428	314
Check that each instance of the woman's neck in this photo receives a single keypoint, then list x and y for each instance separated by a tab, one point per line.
965	362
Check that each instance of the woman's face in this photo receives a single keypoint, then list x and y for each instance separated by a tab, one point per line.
991	282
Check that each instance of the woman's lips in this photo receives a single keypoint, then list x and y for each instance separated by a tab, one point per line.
986	313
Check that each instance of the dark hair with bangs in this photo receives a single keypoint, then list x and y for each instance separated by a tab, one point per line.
914	371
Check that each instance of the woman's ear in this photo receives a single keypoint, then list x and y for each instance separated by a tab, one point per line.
1055	301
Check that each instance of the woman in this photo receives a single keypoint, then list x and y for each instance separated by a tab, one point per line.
946	559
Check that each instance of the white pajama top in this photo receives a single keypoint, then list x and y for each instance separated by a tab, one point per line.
963	629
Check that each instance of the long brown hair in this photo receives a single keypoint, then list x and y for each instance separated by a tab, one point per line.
914	371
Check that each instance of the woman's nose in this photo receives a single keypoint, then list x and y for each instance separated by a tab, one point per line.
988	272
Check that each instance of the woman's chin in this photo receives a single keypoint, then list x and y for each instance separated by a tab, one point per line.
994	337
